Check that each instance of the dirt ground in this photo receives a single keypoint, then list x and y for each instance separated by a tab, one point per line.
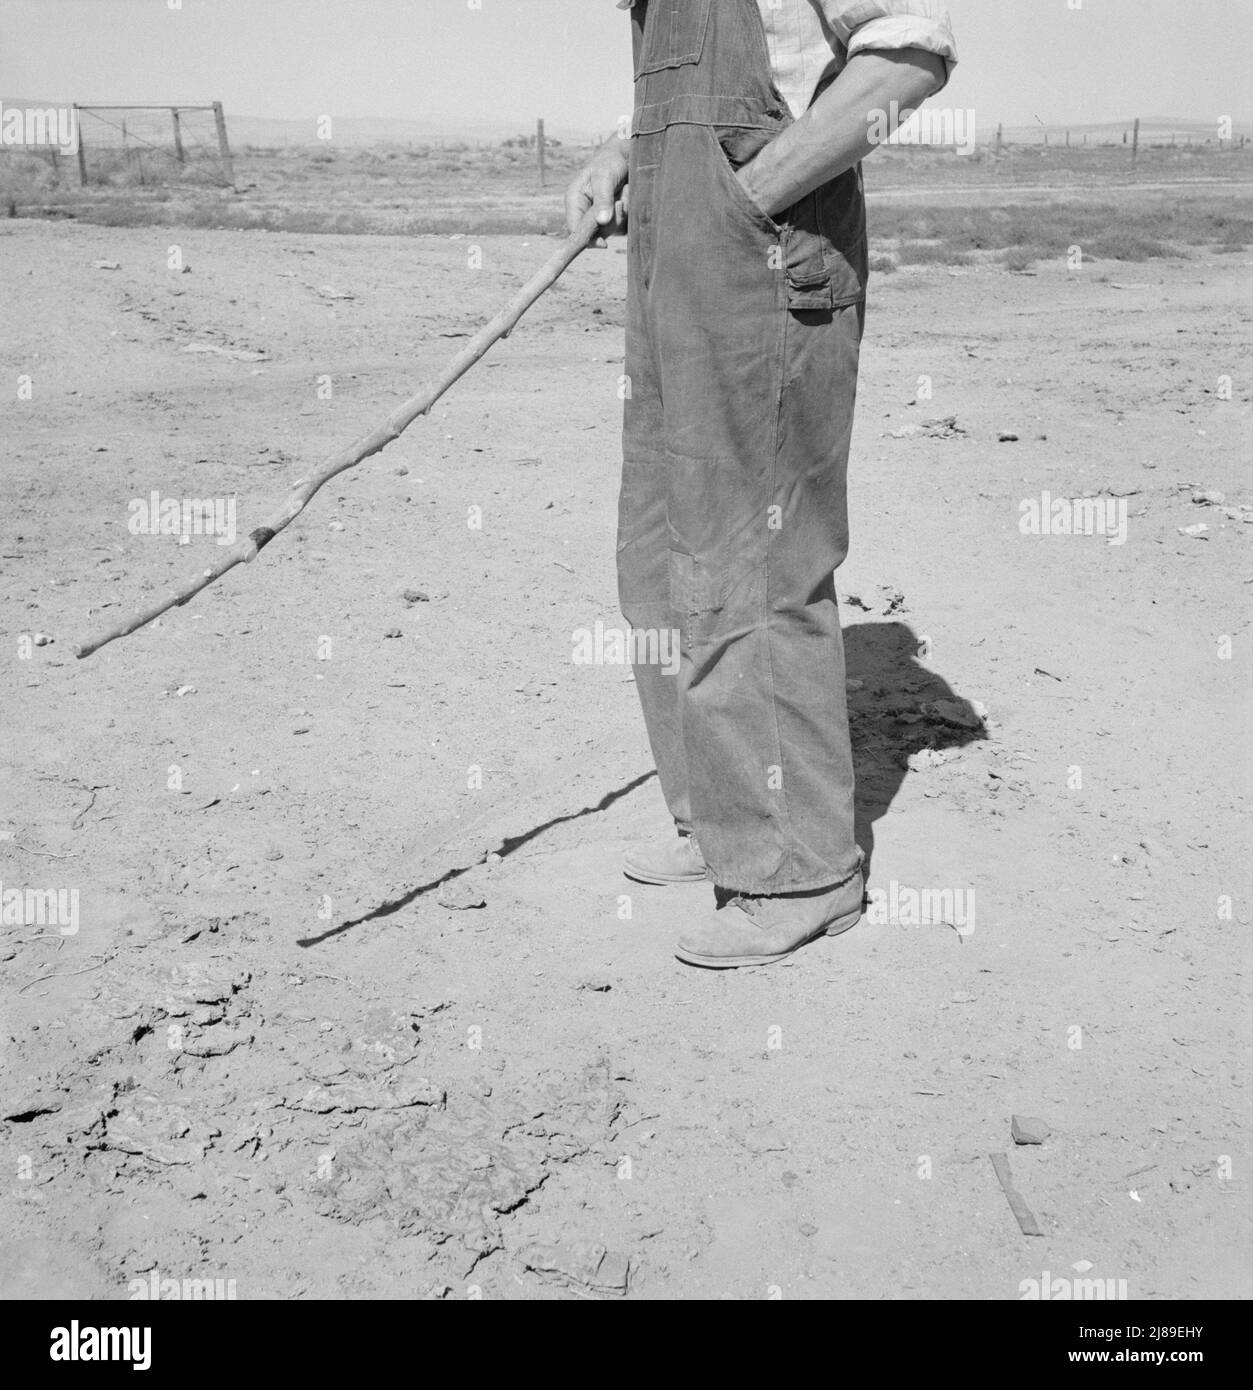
277	1052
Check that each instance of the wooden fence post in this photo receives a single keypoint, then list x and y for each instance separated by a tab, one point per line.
224	149
539	149
82	157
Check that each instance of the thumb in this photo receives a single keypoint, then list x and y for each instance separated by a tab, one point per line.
603	195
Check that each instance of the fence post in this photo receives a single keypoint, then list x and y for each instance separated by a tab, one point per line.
1135	140
1000	137
224	149
539	149
82	158
179	153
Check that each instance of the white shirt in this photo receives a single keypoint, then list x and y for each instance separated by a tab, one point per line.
811	40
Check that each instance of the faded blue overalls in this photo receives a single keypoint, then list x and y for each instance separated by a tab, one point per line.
741	359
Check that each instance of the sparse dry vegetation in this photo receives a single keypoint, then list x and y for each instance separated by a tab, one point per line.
1014	208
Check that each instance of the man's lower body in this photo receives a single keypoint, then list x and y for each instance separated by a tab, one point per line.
732	520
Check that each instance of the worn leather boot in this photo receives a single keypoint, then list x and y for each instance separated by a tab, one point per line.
752	930
668	859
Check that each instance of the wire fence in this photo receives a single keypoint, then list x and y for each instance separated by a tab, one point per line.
153	145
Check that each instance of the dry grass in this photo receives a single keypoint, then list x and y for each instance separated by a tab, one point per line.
1139	227
459	189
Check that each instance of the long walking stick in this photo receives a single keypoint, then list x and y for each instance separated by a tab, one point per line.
392	428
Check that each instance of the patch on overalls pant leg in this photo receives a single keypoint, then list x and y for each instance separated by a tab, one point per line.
697	593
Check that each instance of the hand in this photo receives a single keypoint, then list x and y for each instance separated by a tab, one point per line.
750	181
601	185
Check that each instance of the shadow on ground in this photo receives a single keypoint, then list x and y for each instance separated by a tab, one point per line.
892	713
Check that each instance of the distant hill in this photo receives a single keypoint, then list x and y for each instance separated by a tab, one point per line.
382	130
362	130
1152	128
378	130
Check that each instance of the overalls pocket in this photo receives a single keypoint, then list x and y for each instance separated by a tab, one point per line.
841	225
674	34
729	165
796	231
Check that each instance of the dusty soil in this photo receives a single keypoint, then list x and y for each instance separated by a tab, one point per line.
278	1052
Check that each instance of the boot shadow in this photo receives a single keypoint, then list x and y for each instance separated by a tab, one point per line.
887	718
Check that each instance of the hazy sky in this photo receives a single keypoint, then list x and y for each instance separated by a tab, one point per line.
568	60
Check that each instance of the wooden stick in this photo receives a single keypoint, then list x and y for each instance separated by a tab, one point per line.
392	428
1023	1214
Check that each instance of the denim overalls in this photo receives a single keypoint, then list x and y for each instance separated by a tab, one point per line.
741	360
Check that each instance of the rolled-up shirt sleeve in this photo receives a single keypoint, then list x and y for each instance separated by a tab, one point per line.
873	25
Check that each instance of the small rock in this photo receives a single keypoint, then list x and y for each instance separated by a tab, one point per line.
215	1042
42	639
1006	437
393	632
334	525
1197	529
765	1139
460	896
806	1228
107	265
191	1183
1209	499
350	1096
402	471
589	1266
930	757
1026	1129
412	596
969	714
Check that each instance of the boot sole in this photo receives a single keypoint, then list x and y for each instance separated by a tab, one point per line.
841	924
638	875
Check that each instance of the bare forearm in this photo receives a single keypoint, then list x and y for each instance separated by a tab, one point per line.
837	131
